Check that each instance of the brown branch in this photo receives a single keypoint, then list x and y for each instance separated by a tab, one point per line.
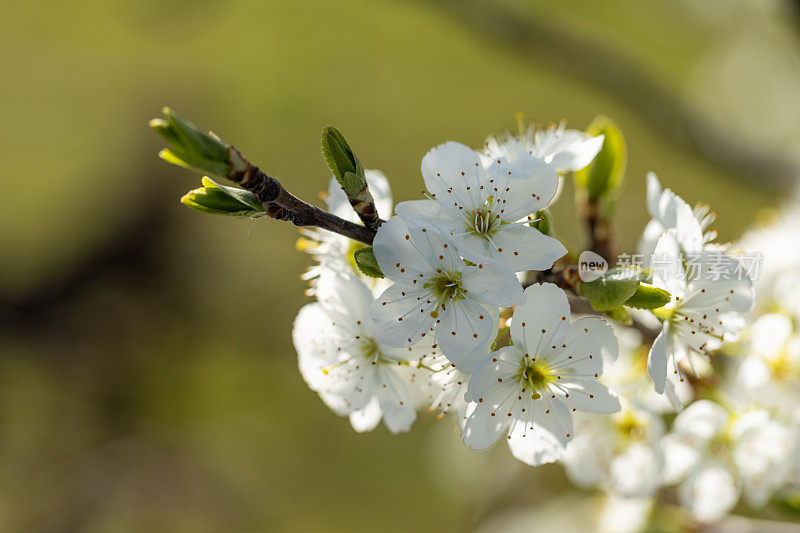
283	205
599	230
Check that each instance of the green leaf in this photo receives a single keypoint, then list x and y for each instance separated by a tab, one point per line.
217	199
620	314
246	197
610	291
604	175
192	147
342	161
366	262
648	297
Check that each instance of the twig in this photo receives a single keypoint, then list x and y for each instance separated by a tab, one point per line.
599	230
283	205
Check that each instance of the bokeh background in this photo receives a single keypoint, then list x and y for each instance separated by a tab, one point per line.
147	377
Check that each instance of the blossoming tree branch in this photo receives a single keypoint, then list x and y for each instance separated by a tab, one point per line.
465	304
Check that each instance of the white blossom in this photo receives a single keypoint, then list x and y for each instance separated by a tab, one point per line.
670	212
778	280
529	390
340	358
436	293
563	149
769	375
485	207
620	453
703	313
717	455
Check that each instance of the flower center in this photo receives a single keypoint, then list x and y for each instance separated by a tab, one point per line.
445	287
483	221
629	427
784	367
536	377
370	349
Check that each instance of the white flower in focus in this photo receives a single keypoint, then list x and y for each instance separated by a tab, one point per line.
716	455
770	373
563	149
670	212
619	453
529	390
333	251
705	309
341	360
437	293
486	208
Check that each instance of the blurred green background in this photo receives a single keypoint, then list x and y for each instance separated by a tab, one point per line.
147	377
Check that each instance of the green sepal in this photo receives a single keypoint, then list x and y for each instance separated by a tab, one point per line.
620	314
344	164
217	199
648	297
191	147
604	175
366	262
544	222
611	290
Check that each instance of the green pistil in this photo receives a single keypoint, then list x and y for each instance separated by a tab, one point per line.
370	348
483	221
445	288
537	378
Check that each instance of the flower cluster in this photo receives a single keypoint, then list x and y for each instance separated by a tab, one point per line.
449	327
664	382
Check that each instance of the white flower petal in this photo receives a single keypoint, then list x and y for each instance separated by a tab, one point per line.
709	493
493	285
367	418
465	332
681	455
398	258
586	394
575	150
657	361
592	344
525	248
769	334
448	169
401	315
542	320
636	471
702	420
481	429
521	187
653	193
395	403
500	365
541	437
